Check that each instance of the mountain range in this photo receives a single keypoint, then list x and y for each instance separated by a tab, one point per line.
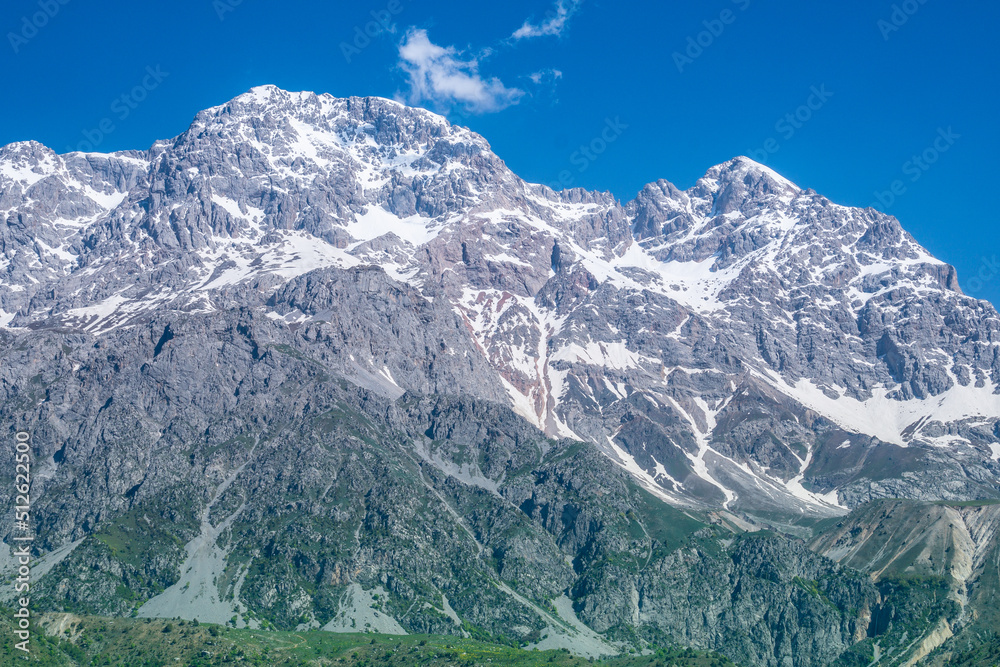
329	363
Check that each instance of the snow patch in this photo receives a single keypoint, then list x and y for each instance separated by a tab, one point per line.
795	487
886	418
616	356
628	462
105	200
24	175
377	222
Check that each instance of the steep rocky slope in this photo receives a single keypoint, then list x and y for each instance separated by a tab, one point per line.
744	343
325	362
956	545
229	474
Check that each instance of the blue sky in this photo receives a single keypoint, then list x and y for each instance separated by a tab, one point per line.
854	99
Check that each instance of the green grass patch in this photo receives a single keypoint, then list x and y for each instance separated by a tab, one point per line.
61	640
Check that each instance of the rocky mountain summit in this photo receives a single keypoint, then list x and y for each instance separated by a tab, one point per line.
324	362
745	343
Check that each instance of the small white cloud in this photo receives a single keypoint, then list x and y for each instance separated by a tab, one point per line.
554	21
545	76
437	74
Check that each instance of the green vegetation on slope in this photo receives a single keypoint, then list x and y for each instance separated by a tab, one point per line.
66	640
986	653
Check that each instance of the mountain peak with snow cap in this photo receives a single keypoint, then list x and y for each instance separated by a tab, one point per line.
660	330
742	167
742	181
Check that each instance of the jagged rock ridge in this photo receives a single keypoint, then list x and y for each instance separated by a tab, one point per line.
743	344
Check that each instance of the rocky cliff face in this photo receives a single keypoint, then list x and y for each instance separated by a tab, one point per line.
956	546
642	327
322	361
217	467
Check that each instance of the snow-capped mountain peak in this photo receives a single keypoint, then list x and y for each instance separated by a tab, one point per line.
714	341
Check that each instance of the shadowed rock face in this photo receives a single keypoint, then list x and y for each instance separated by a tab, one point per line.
345	323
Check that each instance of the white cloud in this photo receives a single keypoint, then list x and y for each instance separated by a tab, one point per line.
545	76
437	74
554	21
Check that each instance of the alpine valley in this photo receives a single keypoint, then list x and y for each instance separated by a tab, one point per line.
323	363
